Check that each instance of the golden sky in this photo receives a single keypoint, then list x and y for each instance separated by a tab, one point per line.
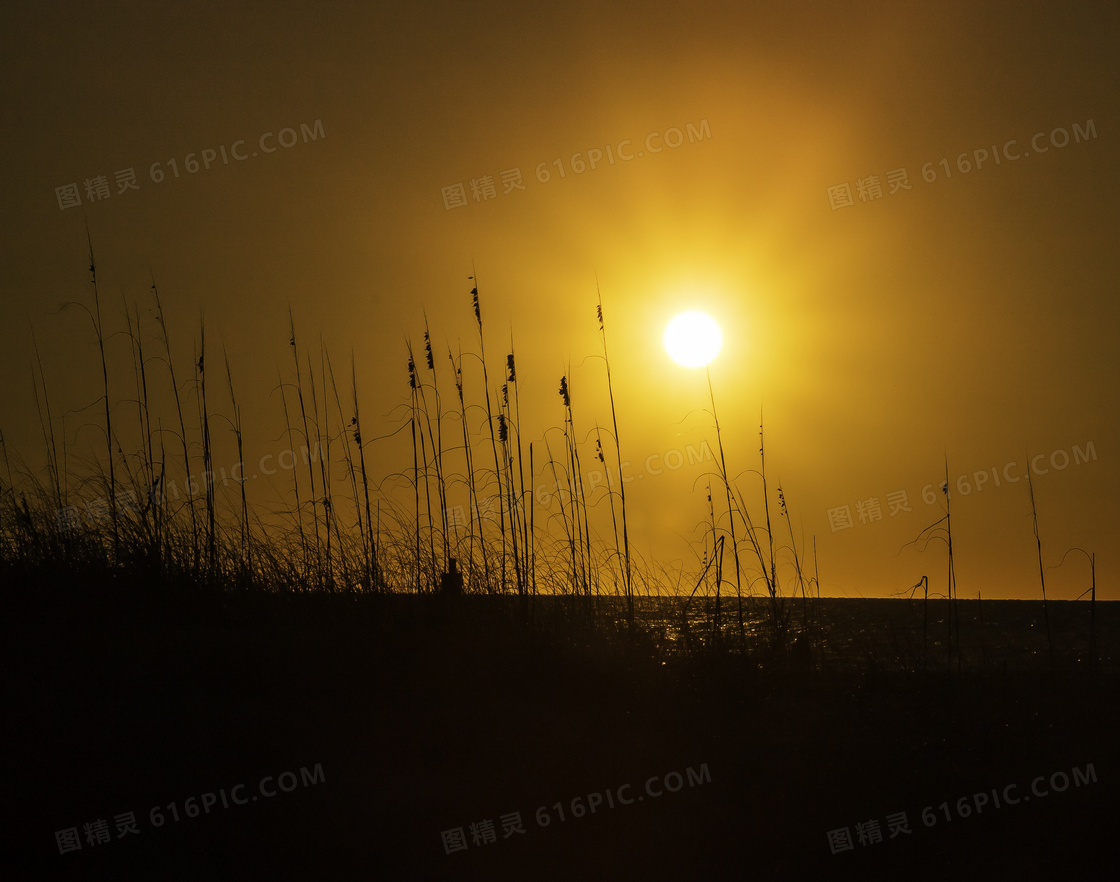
822	180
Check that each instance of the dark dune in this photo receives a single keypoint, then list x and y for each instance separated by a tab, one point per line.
426	716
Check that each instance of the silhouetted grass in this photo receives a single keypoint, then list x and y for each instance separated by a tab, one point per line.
352	532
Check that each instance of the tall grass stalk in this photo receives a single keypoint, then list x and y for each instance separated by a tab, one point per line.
415	474
474	514
952	616
207	460
373	562
490	424
99	329
778	619
614	528
730	510
628	579
436	439
569	531
1041	572
532	528
246	561
717	545
817	606
353	556
352	474
417	388
509	501
305	554
797	564
318	561
151	514
1092	611
519	513
322	444
55	475
194	562
579	501
591	578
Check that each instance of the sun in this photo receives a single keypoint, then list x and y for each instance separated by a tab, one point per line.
693	339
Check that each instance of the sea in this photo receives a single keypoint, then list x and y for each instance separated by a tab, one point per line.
890	633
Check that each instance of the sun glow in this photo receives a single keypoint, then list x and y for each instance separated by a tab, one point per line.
693	339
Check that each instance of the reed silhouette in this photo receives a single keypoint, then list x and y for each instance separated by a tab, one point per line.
522	651
356	534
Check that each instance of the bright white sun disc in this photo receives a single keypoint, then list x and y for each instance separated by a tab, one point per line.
693	339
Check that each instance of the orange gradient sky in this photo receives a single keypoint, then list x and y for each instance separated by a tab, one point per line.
972	316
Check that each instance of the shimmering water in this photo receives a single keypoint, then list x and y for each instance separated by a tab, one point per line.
896	633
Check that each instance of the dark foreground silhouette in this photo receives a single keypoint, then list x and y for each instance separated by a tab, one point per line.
443	737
